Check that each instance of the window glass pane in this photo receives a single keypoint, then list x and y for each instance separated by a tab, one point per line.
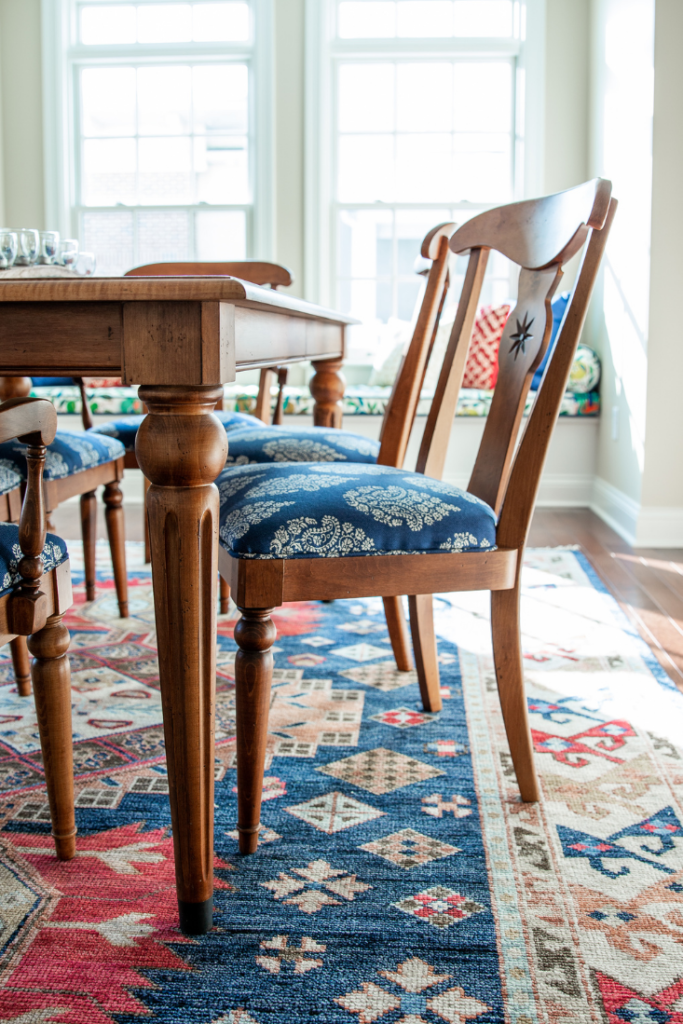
366	19
424	97
165	23
366	97
366	168
163	236
108	101
110	237
164	100
165	171
221	235
481	166
483	96
221	169
220	98
425	18
424	168
362	234
108	24
109	172
227	22
483	17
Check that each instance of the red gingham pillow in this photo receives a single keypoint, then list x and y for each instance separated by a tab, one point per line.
481	368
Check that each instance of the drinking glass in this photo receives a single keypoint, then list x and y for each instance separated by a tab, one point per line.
28	245
49	247
86	263
8	248
68	252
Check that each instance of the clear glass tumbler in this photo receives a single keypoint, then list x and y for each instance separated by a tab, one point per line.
86	263
68	252
8	248
28	246
49	247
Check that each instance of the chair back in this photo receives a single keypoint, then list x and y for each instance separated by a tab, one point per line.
254	271
540	235
399	414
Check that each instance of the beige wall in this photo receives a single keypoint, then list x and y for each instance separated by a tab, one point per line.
21	110
566	100
289	137
662	484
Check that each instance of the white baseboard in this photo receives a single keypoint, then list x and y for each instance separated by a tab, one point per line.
660	527
616	509
565	490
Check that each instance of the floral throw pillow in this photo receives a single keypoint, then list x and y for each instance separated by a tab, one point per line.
481	369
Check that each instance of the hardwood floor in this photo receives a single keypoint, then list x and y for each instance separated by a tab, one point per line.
647	583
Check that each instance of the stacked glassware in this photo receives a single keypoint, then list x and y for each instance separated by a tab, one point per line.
26	247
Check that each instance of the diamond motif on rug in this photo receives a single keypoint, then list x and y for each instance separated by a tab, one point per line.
383	676
380	771
309	894
360	652
372	1002
283	954
316	641
439	906
409	848
307	660
363	627
446	748
403	718
333	812
266	835
436	807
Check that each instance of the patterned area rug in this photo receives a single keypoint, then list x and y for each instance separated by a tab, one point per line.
399	878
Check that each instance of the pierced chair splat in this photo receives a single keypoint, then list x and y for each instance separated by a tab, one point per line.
35	592
320	531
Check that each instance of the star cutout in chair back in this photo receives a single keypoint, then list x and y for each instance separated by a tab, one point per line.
521	335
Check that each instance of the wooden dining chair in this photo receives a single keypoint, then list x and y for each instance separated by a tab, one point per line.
306	532
35	592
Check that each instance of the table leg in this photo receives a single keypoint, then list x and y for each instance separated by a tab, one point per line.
327	387
181	449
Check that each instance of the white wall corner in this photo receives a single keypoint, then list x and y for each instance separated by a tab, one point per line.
616	509
659	527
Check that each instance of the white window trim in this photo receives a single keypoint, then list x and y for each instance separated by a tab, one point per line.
59	130
319	232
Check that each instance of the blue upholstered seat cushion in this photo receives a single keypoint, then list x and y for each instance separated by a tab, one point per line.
126	428
54	552
70	452
10	477
328	510
286	444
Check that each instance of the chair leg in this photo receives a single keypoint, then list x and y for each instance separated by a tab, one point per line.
145	487
22	665
398	633
224	588
52	687
113	513
507	656
254	635
424	646
89	534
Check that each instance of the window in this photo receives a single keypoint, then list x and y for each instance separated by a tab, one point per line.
423	101
158	135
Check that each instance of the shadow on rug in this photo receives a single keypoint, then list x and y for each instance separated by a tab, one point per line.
399	879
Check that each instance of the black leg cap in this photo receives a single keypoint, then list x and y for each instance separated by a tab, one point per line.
196	918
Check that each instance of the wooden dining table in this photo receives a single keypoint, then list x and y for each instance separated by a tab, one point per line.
180	339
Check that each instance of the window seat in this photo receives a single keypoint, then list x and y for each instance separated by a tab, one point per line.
359	400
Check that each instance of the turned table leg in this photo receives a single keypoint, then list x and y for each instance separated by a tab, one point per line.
181	449
327	387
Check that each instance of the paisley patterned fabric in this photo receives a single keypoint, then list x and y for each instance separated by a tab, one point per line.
10	477
54	552
295	510
69	453
126	430
284	444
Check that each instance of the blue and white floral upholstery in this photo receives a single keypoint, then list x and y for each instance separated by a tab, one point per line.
54	553
319	510
126	429
286	444
10	477
71	452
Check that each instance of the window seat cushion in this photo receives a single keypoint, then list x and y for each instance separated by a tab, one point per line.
314	510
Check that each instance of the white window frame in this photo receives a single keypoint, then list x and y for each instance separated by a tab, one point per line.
322	50
61	142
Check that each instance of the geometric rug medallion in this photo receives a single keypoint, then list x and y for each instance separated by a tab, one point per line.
398	878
